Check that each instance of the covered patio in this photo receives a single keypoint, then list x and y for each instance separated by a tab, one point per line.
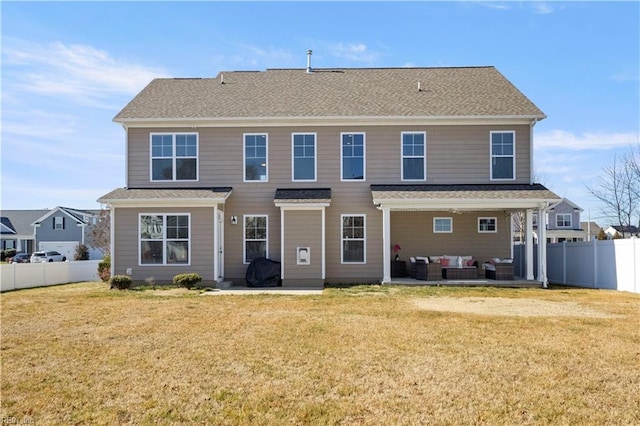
470	220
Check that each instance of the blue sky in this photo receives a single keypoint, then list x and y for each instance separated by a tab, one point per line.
69	67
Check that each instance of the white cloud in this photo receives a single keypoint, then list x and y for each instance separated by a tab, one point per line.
541	7
75	71
356	52
585	141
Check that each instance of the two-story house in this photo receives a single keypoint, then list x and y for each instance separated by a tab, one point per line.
324	170
60	229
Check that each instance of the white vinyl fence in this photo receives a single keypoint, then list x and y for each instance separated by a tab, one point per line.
610	264
27	275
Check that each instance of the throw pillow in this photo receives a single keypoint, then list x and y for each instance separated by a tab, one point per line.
444	261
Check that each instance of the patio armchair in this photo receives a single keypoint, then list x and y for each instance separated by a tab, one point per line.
428	271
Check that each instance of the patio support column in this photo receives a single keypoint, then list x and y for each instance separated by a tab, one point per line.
542	246
528	242
386	245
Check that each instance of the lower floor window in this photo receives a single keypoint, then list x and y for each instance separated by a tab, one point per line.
164	239
353	239
255	238
487	224
442	225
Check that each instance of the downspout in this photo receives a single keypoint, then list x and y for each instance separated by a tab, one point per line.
126	155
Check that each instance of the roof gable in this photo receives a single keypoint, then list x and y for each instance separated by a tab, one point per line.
21	221
325	93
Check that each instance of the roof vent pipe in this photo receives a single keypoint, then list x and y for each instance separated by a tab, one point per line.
221	78
309	53
419	86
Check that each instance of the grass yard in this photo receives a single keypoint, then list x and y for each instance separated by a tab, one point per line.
371	355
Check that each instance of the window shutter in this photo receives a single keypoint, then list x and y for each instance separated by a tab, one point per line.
63	218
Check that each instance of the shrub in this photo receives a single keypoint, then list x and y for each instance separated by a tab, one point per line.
82	252
187	280
8	253
104	269
121	282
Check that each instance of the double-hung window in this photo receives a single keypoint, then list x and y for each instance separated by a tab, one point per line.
255	237
563	220
442	225
353	238
353	156
255	158
174	156
303	147
164	239
503	165
487	225
414	159
58	222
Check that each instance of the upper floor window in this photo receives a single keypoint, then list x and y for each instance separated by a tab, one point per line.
414	160
563	220
304	157
255	157
503	163
352	157
164	239
353	239
174	156
58	222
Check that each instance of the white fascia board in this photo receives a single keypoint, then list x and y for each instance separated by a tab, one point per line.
53	211
458	204
327	121
6	230
302	206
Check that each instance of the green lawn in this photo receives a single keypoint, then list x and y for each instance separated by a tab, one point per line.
82	353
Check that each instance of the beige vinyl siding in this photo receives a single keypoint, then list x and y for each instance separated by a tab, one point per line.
303	228
127	243
413	231
455	154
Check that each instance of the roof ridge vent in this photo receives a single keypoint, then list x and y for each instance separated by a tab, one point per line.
309	53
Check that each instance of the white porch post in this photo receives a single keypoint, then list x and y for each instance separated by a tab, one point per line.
528	235
216	244
542	246
386	247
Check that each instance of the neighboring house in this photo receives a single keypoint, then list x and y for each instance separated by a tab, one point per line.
60	229
18	231
591	228
324	170
563	223
625	231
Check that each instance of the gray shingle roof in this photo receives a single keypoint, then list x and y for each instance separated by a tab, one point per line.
21	220
165	194
346	92
315	195
468	191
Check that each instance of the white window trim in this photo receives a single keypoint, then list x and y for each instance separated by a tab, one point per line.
244	236
364	239
513	132
315	157
364	157
402	157
164	240
495	222
57	222
450	219
564	215
174	156
244	157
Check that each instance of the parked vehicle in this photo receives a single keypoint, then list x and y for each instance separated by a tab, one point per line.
47	256
20	258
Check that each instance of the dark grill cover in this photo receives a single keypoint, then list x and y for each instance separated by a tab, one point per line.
263	272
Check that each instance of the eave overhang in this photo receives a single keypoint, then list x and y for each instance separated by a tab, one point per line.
463	197
166	197
328	121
